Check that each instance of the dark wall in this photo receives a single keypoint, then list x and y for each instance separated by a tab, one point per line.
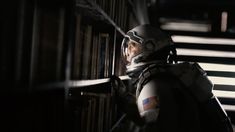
23	107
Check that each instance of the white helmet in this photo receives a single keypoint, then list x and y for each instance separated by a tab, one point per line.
144	45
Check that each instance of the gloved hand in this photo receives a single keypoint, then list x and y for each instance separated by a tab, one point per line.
121	92
118	86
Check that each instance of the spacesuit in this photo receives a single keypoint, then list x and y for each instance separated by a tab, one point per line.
168	96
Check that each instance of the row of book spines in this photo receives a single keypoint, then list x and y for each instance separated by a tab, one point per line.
116	9
97	114
92	52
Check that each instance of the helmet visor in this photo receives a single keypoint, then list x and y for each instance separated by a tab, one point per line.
130	49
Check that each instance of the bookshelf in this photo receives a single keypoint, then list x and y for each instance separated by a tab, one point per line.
82	46
74	51
99	27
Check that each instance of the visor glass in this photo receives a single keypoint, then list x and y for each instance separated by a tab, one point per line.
129	50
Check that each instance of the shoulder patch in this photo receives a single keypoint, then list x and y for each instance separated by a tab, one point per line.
150	103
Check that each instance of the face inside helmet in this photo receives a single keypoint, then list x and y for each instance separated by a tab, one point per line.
130	50
131	47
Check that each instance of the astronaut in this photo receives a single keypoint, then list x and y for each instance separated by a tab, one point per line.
168	96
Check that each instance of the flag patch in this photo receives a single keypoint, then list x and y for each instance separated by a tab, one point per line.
150	103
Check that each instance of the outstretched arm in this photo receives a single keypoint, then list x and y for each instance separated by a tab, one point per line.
143	109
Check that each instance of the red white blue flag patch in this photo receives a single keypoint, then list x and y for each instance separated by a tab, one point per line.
150	103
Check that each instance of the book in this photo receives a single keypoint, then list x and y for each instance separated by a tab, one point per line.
76	72
86	61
